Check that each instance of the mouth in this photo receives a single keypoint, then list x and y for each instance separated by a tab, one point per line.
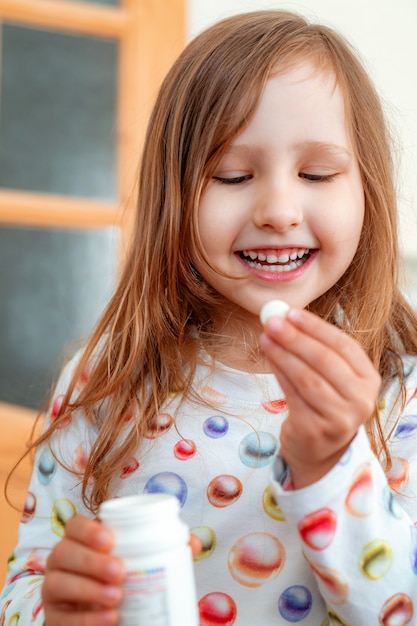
278	261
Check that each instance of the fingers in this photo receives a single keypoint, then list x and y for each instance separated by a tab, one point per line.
90	532
321	361
195	544
327	335
55	616
70	556
82	583
65	588
335	339
331	388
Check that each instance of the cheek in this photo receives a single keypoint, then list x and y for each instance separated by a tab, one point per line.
343	222
216	222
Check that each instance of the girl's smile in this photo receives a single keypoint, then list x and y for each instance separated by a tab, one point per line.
277	265
283	212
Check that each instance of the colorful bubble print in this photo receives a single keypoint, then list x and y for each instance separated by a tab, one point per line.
80	458
335	620
64	420
161	425
397	611
3	612
413	552
168	482
345	459
56	406
36	561
359	501
270	506
295	603
258	449
375	559
62	510
398	474
216	426
215	398
37	608
46	467
317	529
34	589
407	427
224	490
29	509
185	449
217	609
391	504
333	581
256	558
130	468
129	415
207	537
281	472
275	406
382	405
84	376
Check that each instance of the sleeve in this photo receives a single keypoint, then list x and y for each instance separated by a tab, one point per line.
357	526
53	497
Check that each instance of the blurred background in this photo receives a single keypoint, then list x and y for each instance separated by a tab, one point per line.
77	80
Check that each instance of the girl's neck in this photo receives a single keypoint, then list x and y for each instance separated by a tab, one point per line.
236	345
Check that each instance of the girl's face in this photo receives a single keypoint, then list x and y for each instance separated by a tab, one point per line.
284	209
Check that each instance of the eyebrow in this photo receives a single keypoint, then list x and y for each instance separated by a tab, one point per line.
320	147
324	147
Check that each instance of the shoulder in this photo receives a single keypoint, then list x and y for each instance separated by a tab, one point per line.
408	377
400	392
409	363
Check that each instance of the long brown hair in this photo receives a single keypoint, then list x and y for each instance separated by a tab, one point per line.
143	347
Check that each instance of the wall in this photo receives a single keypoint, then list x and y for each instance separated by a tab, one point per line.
385	34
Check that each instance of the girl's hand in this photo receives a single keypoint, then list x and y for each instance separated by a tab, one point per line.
331	389
82	580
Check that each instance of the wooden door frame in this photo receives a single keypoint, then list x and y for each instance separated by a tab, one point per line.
150	34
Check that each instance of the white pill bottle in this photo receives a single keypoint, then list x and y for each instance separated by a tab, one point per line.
159	587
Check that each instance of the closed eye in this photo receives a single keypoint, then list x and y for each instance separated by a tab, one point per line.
234	180
318	178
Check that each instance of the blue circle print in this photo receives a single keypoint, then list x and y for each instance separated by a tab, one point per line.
216	426
295	603
258	449
168	482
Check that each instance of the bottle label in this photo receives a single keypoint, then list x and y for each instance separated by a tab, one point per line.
145	600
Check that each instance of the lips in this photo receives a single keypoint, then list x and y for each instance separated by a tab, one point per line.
277	261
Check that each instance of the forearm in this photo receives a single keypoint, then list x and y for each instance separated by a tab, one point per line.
358	541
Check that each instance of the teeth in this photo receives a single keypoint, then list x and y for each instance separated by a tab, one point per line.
274	258
283	258
276	263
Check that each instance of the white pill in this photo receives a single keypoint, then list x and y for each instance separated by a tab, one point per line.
274	308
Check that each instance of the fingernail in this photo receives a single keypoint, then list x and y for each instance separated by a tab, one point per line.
114	569
102	538
294	314
113	594
275	324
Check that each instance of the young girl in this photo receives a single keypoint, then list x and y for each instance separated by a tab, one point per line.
266	174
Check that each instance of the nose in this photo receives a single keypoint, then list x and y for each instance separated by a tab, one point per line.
278	206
